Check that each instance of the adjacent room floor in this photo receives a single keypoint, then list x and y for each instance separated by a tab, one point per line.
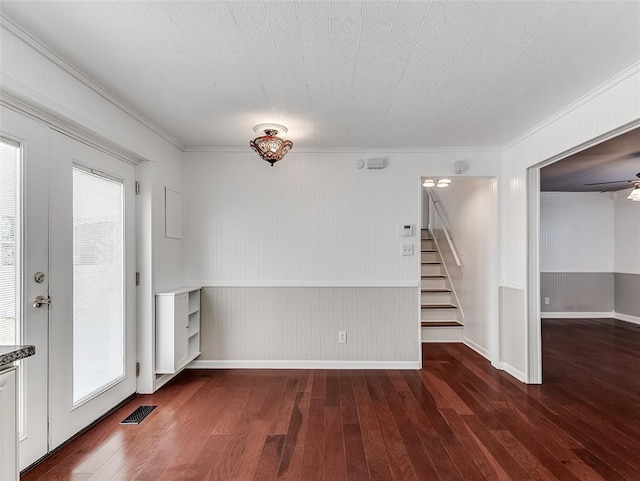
456	420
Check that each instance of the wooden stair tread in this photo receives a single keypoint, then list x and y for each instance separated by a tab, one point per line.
431	262
435	290
440	324
433	277
438	306
429	250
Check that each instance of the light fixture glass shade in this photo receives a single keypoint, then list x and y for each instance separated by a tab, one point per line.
270	147
436	183
635	194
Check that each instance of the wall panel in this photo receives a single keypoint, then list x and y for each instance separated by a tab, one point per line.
576	232
258	324
577	291
627	294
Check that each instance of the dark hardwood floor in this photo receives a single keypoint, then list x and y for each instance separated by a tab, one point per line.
456	420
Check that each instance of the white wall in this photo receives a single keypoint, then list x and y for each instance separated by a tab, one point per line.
35	79
311	221
627	234
312	218
576	232
469	206
612	106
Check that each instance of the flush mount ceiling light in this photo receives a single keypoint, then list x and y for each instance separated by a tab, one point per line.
269	146
436	183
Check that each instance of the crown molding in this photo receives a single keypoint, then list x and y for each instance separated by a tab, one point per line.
15	29
353	150
612	82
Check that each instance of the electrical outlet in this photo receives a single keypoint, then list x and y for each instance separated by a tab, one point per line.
407	250
546	300
342	337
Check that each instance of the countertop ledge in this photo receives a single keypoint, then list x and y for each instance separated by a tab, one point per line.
9	354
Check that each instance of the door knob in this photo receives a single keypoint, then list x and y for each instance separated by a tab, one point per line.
41	301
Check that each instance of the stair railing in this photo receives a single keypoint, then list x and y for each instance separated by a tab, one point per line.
443	222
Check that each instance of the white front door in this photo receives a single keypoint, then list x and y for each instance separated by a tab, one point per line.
75	224
92	285
24	233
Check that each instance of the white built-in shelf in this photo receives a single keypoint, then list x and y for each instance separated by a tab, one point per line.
177	329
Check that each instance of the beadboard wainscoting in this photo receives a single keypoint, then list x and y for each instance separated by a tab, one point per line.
512	320
627	295
577	291
297	327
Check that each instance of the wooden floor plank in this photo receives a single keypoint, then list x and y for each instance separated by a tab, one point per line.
457	419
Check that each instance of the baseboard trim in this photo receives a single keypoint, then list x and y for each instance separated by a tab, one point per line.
626	318
301	284
476	347
576	315
286	364
509	369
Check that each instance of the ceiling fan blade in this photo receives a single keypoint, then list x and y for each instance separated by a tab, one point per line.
612	182
622	187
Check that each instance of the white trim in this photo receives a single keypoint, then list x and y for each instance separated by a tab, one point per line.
303	364
363	151
12	27
576	315
580	270
509	369
576	104
477	348
512	285
78	132
626	318
389	284
533	327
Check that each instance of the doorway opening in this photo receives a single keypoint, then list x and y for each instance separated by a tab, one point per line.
583	259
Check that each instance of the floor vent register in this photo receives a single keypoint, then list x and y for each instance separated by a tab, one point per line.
137	416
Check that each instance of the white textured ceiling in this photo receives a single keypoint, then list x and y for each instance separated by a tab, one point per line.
341	74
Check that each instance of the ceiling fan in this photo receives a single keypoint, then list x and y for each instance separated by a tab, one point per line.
626	184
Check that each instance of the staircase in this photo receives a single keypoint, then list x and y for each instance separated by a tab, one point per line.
439	314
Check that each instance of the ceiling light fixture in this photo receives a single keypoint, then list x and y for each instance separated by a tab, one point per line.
635	193
436	183
269	146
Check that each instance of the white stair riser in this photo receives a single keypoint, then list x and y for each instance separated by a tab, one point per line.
442	334
429	257
436	298
438	283
431	269
439	314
